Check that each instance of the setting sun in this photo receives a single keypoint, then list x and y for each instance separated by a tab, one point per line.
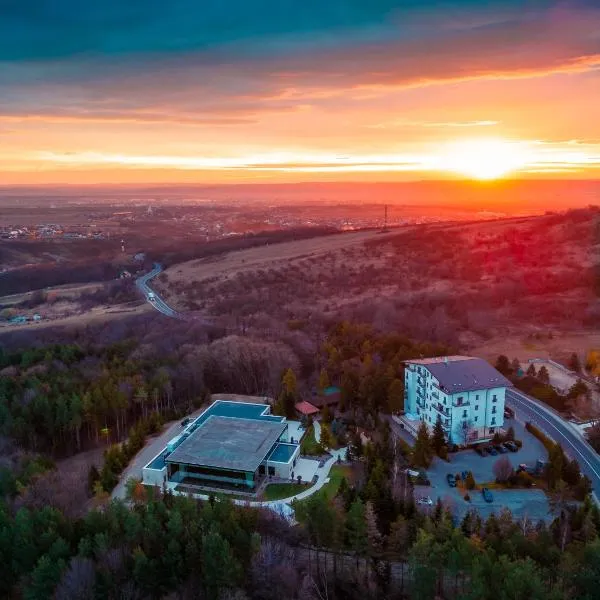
485	159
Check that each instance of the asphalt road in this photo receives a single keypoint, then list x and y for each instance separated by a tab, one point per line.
561	431
158	303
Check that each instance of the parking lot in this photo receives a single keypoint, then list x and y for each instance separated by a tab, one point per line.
531	503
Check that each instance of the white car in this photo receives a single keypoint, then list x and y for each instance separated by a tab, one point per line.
151	297
425	501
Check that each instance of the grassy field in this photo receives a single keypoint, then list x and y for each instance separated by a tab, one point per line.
337	473
278	491
309	445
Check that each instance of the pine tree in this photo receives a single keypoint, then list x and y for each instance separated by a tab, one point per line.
326	438
531	372
287	397
219	568
543	375
289	382
44	578
356	527
438	438
503	365
422	451
515	365
395	396
323	380
574	363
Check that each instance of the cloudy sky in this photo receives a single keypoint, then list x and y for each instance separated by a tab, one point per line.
298	90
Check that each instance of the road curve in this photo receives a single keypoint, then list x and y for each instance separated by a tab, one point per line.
159	304
561	431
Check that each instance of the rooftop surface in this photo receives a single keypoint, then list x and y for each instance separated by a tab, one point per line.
240	410
465	374
438	359
306	408
229	443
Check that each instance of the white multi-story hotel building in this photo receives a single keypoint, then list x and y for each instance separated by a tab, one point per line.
466	393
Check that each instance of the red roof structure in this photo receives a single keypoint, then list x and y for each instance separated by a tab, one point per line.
306	408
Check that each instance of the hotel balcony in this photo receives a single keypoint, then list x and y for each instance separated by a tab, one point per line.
462	403
445	412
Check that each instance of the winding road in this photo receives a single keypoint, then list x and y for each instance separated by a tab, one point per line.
561	431
152	297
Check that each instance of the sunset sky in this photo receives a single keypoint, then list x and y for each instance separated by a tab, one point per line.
297	90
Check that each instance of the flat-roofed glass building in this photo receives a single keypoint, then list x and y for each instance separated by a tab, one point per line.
231	446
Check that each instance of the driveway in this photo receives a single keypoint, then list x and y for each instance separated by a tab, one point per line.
532	503
148	452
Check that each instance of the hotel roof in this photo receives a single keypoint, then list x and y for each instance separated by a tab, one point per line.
463	373
229	443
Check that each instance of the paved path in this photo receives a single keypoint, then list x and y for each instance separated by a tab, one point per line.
144	456
283	506
317	428
529	409
147	453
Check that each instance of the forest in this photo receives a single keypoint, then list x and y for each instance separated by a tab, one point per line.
364	538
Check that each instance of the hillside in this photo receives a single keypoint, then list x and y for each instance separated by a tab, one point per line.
456	283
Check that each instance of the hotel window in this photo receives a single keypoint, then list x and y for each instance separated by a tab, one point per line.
477	407
493	420
475	419
476	396
493	410
491	429
494	399
464	413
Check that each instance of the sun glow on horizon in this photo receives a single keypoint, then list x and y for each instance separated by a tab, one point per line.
485	159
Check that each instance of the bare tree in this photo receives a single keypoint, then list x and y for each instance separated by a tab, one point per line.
77	580
503	469
465	430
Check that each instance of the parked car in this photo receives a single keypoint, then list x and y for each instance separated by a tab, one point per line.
451	480
511	446
492	450
509	413
425	501
480	450
185	421
464	475
521	467
500	449
487	495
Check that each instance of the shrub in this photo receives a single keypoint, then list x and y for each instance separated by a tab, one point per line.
404	447
546	441
443	453
518	443
470	481
523	478
467	497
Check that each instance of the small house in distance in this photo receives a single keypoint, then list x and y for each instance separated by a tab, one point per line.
306	409
467	393
330	397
